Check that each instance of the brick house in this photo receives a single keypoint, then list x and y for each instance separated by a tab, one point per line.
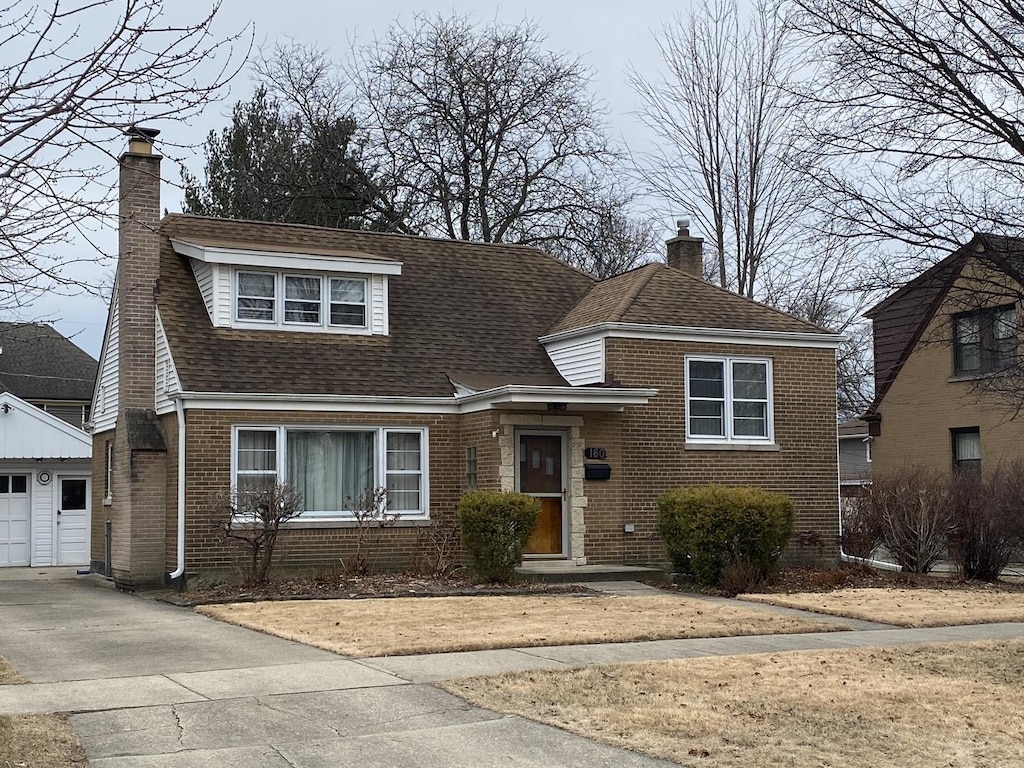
946	378
45	457
239	352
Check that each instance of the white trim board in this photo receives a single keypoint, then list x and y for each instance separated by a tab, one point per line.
696	335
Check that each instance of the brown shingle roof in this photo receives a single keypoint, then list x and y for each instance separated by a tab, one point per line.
656	294
457	306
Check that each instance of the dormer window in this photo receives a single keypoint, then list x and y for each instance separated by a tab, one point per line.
256	297
302	296
263	286
348	302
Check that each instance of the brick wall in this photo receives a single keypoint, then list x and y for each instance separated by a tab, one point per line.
656	458
923	404
322	546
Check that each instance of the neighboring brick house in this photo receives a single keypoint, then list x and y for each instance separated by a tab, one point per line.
46	384
946	357
338	360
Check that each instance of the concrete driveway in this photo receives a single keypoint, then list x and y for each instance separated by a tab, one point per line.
156	686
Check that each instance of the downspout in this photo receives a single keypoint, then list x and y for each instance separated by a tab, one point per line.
180	570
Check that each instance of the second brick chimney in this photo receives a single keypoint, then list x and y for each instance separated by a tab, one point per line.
685	253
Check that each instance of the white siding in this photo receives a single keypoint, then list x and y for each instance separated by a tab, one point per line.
204	279
379	305
167	382
28	432
222	296
104	399
579	362
43	518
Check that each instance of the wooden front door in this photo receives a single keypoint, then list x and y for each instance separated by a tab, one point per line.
541	474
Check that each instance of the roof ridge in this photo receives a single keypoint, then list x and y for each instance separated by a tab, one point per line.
761	304
630	296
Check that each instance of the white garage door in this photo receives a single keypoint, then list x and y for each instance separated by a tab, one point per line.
14	520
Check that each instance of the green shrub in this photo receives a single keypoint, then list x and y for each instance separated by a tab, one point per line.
707	527
495	528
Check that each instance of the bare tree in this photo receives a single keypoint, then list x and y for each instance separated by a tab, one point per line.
67	92
727	154
919	114
482	133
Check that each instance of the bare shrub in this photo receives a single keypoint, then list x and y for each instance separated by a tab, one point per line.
861	534
252	520
912	509
987	536
740	576
439	547
370	512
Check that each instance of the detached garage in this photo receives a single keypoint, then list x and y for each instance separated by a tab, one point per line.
45	470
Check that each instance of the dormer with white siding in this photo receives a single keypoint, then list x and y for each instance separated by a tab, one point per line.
255	286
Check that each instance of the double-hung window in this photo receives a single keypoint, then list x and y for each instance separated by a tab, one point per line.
302	301
984	341
348	301
256	297
966	449
333	468
728	400
302	297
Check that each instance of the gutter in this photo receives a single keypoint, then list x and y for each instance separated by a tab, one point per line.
178	572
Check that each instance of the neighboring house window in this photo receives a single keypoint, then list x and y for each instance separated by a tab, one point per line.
333	468
108	471
728	399
966	449
984	341
256	297
470	468
316	301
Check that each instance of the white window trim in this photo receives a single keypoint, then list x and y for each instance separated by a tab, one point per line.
325	325
729	438
365	304
380	468
284	301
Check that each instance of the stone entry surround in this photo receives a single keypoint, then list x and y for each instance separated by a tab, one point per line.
507	468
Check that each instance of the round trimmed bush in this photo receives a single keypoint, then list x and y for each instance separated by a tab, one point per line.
495	528
708	527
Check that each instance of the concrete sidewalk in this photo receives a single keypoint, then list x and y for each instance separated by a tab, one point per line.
156	686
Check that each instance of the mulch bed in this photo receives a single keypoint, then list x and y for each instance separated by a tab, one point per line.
354	588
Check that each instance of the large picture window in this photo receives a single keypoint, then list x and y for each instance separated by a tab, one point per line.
333	468
984	341
728	399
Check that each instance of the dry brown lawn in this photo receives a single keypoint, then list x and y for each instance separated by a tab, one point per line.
907	607
955	705
36	741
397	626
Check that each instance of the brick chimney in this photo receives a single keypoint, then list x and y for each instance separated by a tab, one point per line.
685	252
137	509
138	268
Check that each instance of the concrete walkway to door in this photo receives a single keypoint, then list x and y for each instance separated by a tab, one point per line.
156	686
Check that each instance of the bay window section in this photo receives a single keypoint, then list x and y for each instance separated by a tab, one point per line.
728	400
333	468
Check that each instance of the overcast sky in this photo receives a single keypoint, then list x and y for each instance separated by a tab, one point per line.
609	36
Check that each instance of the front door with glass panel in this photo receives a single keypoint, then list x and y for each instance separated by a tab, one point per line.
541	473
73	522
